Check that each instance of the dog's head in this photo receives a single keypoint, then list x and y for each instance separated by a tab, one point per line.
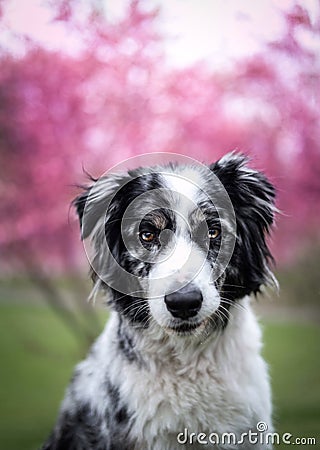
178	245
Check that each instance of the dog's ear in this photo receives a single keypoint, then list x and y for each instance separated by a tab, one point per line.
95	200
252	197
251	194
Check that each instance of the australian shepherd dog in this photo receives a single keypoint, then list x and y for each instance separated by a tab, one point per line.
177	250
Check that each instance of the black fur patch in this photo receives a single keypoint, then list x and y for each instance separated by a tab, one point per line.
126	344
252	196
84	429
118	413
78	430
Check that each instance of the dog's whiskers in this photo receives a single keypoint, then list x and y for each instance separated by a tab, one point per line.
133	307
236	305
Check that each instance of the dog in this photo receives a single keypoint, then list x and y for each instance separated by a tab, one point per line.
177	251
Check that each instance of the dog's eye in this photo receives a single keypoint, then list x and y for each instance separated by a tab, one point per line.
213	233
147	236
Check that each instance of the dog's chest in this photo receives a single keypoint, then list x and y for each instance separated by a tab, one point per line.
198	398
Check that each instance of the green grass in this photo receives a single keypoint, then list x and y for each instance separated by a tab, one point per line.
38	354
292	351
37	357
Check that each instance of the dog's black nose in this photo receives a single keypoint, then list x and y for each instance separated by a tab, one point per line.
184	303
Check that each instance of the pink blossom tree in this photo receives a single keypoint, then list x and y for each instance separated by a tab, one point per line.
117	97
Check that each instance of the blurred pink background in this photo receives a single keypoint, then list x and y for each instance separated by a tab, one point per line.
87	85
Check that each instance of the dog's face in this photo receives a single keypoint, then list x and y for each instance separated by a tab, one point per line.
178	245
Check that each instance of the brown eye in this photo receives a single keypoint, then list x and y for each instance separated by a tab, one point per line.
214	233
147	236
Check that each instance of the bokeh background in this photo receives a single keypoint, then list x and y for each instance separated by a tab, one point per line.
86	84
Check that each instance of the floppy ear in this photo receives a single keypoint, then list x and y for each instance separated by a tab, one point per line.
251	193
96	207
95	200
252	197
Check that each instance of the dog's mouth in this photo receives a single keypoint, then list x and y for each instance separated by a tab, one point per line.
186	328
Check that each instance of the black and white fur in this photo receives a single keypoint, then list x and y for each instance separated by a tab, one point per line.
150	375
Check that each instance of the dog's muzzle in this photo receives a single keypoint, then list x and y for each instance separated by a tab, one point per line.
184	303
